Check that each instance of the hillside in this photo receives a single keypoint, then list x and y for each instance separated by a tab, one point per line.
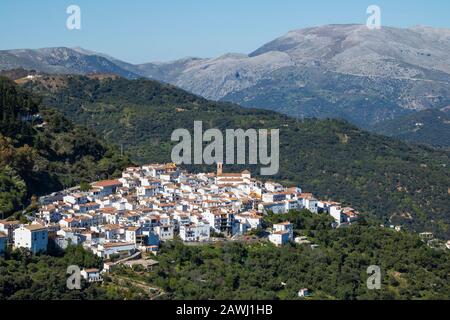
393	180
60	60
334	270
41	151
428	127
44	277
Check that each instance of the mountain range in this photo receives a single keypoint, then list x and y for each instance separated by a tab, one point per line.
349	72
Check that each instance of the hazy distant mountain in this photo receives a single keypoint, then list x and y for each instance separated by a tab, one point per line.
347	71
339	71
166	71
60	60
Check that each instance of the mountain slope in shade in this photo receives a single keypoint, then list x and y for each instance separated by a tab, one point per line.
428	127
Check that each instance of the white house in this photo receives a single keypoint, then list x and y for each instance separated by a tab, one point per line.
252	221
312	205
91	275
279	238
195	232
274	197
112	231
181	218
221	222
164	232
76	198
303	293
146	191
131	234
350	214
275	207
282	233
8	228
273	187
108	249
284	226
336	213
107	187
50	214
69	223
33	237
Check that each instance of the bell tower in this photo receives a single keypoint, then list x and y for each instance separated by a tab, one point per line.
219	168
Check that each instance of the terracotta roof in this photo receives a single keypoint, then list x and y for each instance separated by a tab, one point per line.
281	232
107	183
230	175
111	227
108	210
35	227
133	228
93	270
286	223
5	222
117	244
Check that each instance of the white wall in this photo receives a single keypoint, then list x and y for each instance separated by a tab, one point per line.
35	241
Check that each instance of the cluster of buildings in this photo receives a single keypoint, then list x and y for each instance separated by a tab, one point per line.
158	202
31	236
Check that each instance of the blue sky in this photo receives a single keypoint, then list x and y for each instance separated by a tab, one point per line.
159	30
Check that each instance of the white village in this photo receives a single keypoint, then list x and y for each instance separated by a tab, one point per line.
125	218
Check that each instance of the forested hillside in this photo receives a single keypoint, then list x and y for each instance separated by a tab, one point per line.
395	181
428	127
336	269
41	151
43	277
